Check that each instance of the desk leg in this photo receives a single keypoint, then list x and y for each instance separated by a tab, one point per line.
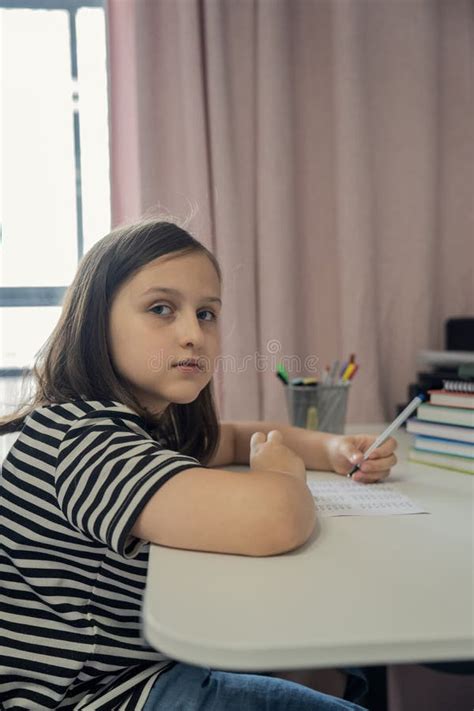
376	697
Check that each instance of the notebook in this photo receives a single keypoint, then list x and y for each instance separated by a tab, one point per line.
445	446
464	465
446	415
452	399
434	429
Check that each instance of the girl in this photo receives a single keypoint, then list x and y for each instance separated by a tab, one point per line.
115	451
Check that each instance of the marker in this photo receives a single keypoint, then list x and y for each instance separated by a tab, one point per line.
304	381
334	369
348	372
312	418
356	368
404	415
282	373
343	369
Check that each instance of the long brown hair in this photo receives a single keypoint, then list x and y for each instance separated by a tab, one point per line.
75	361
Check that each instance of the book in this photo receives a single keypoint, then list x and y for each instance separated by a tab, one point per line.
452	399
446	415
445	446
444	461
434	429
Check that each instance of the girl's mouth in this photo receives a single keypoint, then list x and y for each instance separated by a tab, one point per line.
190	366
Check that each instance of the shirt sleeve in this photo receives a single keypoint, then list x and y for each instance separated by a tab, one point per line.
107	469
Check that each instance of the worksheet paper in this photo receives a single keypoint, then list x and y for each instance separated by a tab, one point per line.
351	498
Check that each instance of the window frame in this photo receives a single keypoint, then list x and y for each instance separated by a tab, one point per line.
28	296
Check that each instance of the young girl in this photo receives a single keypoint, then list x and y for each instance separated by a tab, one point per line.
115	451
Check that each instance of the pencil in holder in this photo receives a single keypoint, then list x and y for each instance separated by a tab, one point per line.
321	408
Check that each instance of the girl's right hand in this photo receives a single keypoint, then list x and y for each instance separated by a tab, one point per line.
268	453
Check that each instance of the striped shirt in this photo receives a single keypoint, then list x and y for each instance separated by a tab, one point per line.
72	576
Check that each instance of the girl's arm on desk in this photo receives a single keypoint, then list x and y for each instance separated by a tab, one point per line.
318	450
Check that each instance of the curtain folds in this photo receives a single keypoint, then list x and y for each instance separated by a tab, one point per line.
324	150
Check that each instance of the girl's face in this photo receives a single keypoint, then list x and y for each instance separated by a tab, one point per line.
164	314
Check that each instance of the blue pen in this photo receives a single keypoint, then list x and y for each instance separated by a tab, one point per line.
404	415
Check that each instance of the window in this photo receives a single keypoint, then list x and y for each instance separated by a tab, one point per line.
54	190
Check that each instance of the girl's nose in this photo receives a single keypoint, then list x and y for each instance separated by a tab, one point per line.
190	331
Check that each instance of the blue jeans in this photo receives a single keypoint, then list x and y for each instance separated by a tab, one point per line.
188	688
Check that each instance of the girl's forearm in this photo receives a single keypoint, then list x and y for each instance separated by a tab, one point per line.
311	446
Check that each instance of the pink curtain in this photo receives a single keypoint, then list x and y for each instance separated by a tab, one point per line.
324	151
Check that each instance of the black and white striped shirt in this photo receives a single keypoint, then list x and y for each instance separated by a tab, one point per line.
71	574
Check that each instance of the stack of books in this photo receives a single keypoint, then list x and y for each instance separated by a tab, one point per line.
436	367
444	428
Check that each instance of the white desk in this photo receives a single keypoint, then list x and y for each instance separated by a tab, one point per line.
363	590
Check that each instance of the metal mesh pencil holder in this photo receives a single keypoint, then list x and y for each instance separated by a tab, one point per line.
322	407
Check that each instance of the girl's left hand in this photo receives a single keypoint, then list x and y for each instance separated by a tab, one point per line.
344	451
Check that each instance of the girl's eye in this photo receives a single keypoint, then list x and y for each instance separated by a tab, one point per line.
160	306
208	315
211	313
